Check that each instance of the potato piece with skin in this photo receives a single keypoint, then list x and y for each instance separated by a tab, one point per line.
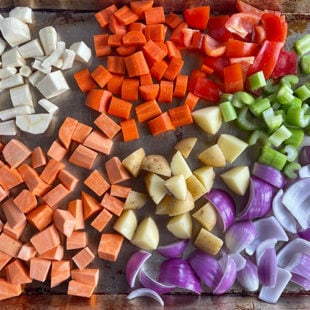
133	162
208	119
177	187
195	187
213	156
206	216
208	242
157	164
181	226
186	145
206	176
155	186
179	165
146	236
126	224
135	200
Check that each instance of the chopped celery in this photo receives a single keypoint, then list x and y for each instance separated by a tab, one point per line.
305	64
290	80
290	151
291	169
280	135
270	87
272	121
258	135
241	98
296	138
296	116
247	124
228	111
226	97
259	106
285	94
303	92
272	157
302	45
257	80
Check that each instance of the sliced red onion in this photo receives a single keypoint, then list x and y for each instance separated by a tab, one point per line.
263	246
260	200
172	250
248	276
301	281
134	265
269	174
304	234
304	155
239	261
225	206
267	267
158	287
146	292
229	275
304	171
206	267
272	294
300	265
284	217
296	200
267	228
240	235
287	253
178	272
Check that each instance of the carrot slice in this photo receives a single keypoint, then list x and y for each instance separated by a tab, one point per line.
13	214
126	50
139	7
155	32
101	75
60	272
66	130
9	245
98	142
55	195
191	100
80	133
155	15
104	15
165	91
116	64
153	53
101	220
173	20
120	108
90	205
77	240
180	86
9	178
51	170
181	116
76	288
39	268
57	151
15	153
125	15
84	80
160	124
146	79
9	290
68	179
27	252
83	157
76	208
38	157
87	276
110	246
136	64
113	204
115	40
98	99
158	69
97	183
83	258
174	67
147	110
130	89
17	273
173	50
107	125
136	26
41	216
115	84
116	171
149	92
133	38
129	130
101	45
25	201
115	26
56	253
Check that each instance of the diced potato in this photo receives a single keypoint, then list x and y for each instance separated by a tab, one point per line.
146	236
157	164
195	187
155	186
181	226
208	242
186	145
133	161
135	200
126	224
231	146
237	179
213	156
179	165
177	187
206	176
206	216
208	119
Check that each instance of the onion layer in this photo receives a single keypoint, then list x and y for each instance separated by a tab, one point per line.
267	267
269	174
172	250
248	276
146	292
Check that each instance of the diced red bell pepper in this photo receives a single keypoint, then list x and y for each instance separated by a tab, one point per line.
217	63
177	35
233	78
207	89
216	28
197	40
259	34
248	8
275	29
212	47
287	64
237	48
245	63
195	74
197	17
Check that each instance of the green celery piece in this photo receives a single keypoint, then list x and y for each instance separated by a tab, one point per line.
245	123
259	106
270	87
272	157
290	151
290	170
241	98
257	81
258	135
296	116
285	94
272	121
226	97
296	138
305	63
228	111
302	92
279	136
290	80
302	45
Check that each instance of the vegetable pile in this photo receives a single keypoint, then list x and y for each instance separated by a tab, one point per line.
251	228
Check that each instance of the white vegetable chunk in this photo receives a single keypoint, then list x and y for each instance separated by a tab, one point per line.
37	65
35	77
68	57
55	55
12	81
12	58
7	72
2	46
82	51
22	13
53	84
48	38
31	49
25	71
58	63
33	123
50	107
14	31
8	128
13	112
21	95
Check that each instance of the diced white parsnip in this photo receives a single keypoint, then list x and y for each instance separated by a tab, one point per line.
195	187
50	107
12	58
7	72
12	81
37	65
55	55
31	49
35	77
82	51
58	63
206	176
206	216
48	37
179	165
53	84
2	46
22	13
126	224
208	119
176	186
33	123
21	95
13	112
8	128
25	71
212	156
155	186
181	226
68	57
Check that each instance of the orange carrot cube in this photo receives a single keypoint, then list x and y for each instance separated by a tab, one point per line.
25	201
107	125
98	99
77	240
39	268
80	133
90	205
130	130
64	221
38	157
17	273
68	179
97	183
116	171
76	288
98	142
9	245
41	216
27	252
101	220
15	152
83	258
83	157
57	151
60	272
76	209
110	246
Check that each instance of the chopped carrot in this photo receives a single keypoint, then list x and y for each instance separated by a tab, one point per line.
149	92
9	178
158	69
133	38
80	289
116	64
153	53
155	15
110	246
146	79
4	259
66	130
101	75
41	216
173	20
77	240
90	205
17	273
180	86
76	208
181	116
55	195
206	69
1	163
163	46
3	194
64	221
116	171
119	191
191	100
39	268
46	239
177	34
56	253
125	15
165	91
172	49
57	151
136	64
98	142
104	15
126	50
115	26
130	89
155	32
160	124
84	80
87	276
1	226
198	42
115	84
139	7
136	26
147	110
98	99
101	220
129	130
83	157
120	108
174	67
101	45
25	201
15	153
107	125
60	272
80	133
16	231
27	252
83	258
115	40
50	172
9	245
38	157
13	214
97	183
68	179
112	204
9	290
